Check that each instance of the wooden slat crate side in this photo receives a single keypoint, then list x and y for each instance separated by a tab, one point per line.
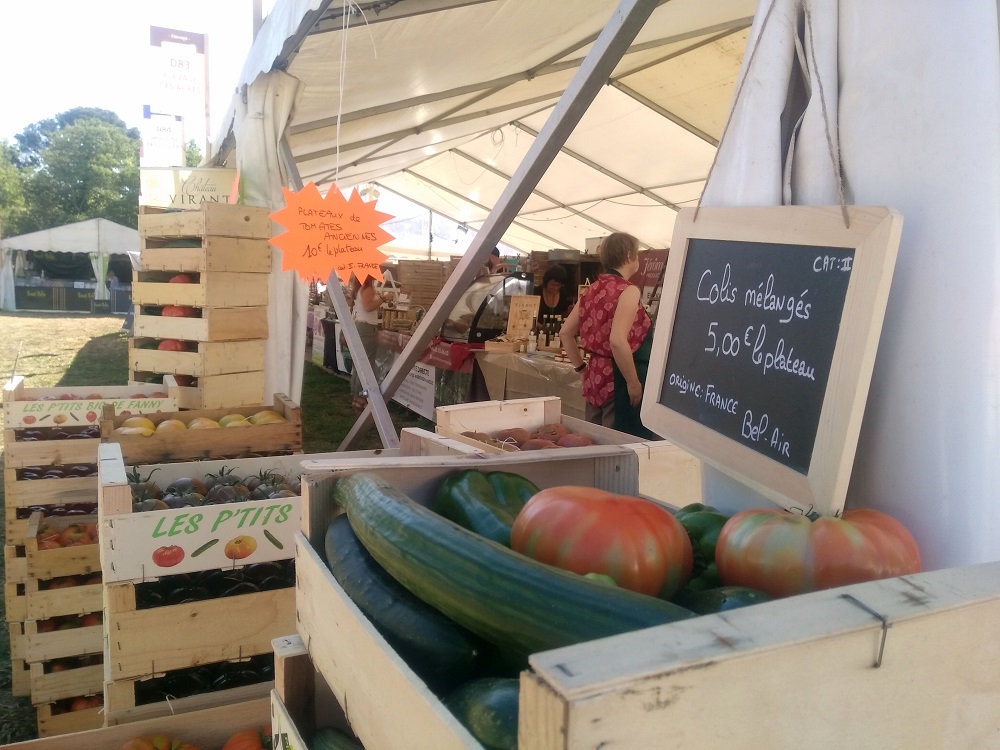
15	602
213	289
18	643
363	670
654	688
60	644
48	452
211	358
222	219
41	604
47	687
120	708
143	642
215	254
57	725
24	493
62	561
218	391
206	728
215	324
15	562
15	529
20	678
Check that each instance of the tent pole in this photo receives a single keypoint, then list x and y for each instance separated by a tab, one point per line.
620	31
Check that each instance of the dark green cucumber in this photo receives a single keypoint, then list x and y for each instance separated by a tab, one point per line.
488	708
328	738
442	653
498	594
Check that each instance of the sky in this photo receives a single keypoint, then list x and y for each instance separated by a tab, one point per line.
59	54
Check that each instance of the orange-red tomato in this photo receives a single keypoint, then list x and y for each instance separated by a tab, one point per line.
585	530
249	739
75	533
784	553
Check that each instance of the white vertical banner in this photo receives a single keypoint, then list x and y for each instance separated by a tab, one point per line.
177	73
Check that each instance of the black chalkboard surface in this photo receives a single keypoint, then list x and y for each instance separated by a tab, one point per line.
765	343
754	333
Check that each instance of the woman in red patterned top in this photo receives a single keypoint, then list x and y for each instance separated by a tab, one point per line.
612	327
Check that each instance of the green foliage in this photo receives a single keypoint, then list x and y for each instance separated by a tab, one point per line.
35	138
192	154
90	169
11	191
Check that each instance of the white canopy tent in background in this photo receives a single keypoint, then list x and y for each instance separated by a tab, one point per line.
912	109
438	100
98	238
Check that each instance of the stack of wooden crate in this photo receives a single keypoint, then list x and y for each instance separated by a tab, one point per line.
53	594
202	286
422	280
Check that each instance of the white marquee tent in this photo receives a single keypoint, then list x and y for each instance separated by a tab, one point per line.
446	101
97	238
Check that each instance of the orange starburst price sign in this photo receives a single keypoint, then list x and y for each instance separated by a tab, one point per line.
330	234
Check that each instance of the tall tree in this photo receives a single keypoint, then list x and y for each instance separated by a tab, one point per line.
90	169
11	191
35	138
192	154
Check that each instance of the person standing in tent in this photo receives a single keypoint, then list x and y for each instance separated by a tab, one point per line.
367	301
615	331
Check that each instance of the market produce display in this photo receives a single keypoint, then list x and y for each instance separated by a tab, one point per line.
224	486
783	553
184	588
206	678
553	435
504	597
703	524
147	426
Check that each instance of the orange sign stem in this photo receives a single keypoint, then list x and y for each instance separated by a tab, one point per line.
331	233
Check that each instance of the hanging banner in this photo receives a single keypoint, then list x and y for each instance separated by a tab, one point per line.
330	233
186	188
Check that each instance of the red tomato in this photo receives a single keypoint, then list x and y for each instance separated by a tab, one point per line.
181	278
177	311
585	530
171	345
157	742
784	553
74	534
167	557
83	703
249	739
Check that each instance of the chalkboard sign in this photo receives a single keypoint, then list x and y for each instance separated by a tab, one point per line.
763	352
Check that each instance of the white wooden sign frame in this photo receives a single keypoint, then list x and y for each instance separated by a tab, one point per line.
873	233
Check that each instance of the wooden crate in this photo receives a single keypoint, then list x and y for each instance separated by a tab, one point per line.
20	495
64	561
50	686
666	472
655	687
51	724
209	358
215	324
120	703
144	642
359	666
179	445
221	219
27	642
15	563
32	601
213	289
218	391
48	452
206	728
213	254
20	678
25	407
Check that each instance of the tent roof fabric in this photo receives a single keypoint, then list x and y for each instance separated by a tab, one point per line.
439	100
93	235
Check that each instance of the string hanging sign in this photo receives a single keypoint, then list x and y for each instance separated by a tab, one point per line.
330	234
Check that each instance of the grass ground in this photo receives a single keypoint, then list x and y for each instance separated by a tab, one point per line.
79	350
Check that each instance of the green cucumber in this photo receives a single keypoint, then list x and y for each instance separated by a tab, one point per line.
488	708
500	595
328	738
441	653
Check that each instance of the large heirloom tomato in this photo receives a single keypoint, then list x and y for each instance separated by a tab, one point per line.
585	530
784	553
249	739
158	742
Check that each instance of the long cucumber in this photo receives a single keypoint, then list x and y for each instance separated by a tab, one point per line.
500	595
